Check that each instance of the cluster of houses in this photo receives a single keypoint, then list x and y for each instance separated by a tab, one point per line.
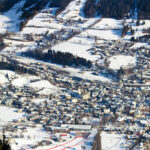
130	73
122	106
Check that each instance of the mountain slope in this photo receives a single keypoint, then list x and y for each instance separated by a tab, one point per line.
5	5
117	8
106	8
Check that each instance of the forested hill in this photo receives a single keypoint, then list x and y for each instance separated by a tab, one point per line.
107	8
117	8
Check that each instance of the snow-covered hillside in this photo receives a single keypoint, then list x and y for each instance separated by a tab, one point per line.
73	69
10	20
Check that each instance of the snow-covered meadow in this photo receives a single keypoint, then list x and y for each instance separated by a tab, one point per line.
8	114
116	62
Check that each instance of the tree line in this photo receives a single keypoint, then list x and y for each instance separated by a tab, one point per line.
108	8
5	5
117	8
58	57
4	145
143	9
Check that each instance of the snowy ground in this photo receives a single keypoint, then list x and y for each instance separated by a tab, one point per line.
73	10
4	77
104	34
9	21
109	23
138	30
116	62
23	80
87	75
107	29
77	47
30	137
36	83
80	44
112	141
9	114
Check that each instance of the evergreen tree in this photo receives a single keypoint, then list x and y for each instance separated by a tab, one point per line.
4	145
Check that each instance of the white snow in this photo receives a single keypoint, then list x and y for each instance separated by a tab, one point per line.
73	10
48	91
76	49
138	45
106	28
41	84
112	141
103	34
38	101
9	21
31	137
138	30
3	79
23	80
87	75
44	86
10	73
109	23
9	114
42	23
121	61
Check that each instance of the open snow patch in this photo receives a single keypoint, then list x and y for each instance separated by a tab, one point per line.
41	84
116	62
112	141
9	114
23	80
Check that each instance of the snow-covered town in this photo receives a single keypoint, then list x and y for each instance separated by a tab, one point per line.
68	82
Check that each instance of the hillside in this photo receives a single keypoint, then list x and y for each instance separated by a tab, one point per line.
106	8
75	74
75	24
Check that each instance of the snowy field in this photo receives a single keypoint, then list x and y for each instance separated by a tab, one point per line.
87	75
23	80
36	83
73	10
112	141
42	23
138	30
77	49
30	137
5	75
109	23
80	44
103	34
116	62
9	114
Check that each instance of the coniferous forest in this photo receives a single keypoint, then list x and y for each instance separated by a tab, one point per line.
117	8
58	58
107	8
